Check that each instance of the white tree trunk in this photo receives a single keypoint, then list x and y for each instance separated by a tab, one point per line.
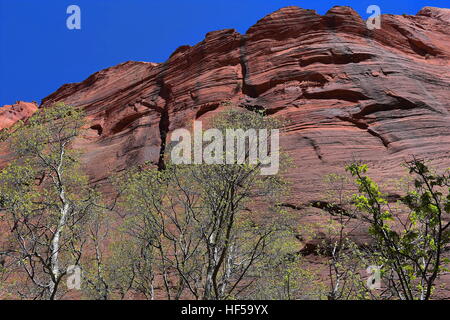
64	212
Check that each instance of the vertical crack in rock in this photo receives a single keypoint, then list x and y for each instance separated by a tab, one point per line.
379	136
247	89
164	122
316	147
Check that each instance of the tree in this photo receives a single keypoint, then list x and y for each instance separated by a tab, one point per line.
205	229
120	269
282	273
409	240
45	200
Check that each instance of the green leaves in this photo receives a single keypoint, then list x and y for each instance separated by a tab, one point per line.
45	197
46	132
201	222
410	240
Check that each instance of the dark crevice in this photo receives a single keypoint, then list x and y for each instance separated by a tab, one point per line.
337	59
338	94
152	106
421	48
417	45
205	109
164	125
393	197
379	136
403	103
373	108
164	122
331	208
97	128
126	122
315	78
398	103
272	111
316	147
355	121
291	206
364	126
255	108
247	90
260	109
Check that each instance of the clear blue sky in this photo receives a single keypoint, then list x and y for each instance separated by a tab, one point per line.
38	53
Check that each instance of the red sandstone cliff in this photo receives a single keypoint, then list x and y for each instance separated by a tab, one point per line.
10	114
378	95
350	93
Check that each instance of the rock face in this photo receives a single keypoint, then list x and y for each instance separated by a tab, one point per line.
10	114
349	92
